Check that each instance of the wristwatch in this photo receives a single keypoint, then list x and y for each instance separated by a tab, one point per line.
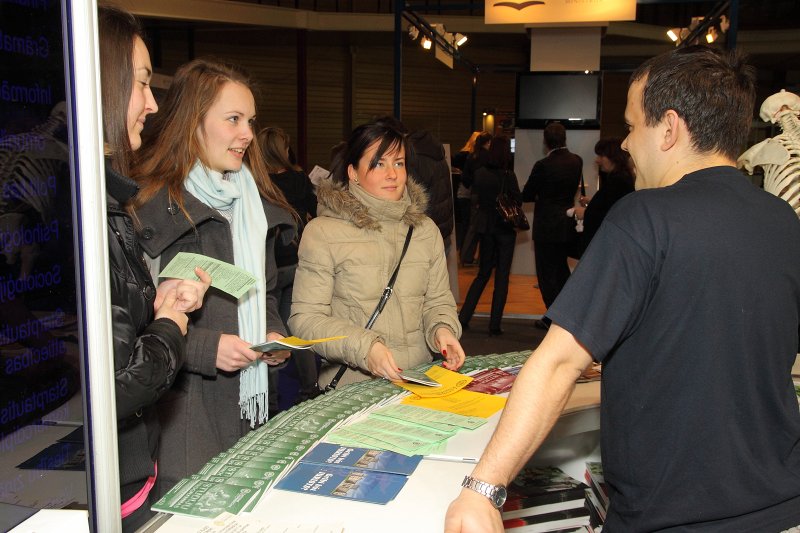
496	493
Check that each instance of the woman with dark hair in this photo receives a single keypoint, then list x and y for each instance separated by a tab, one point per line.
497	237
148	324
299	192
616	179
476	160
348	254
206	190
462	193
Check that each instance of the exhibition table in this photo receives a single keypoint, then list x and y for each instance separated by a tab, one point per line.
421	504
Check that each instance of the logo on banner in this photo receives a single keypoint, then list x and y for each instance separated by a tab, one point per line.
519	6
556	11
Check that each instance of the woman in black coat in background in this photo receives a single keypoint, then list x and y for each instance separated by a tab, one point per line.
497	237
299	192
615	181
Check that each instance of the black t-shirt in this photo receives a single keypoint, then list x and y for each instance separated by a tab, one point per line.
690	296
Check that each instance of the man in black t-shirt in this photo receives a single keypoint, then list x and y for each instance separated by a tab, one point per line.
690	296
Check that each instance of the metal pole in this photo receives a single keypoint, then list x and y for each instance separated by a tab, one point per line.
473	110
398	57
730	39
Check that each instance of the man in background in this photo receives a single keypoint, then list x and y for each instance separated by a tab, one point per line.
691	300
552	186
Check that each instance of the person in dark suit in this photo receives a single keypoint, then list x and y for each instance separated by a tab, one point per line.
552	185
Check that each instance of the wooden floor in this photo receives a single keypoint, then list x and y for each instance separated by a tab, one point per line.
524	298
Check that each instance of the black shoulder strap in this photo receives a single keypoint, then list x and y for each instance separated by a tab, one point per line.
387	293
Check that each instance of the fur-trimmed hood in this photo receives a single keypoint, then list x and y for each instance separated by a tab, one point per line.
337	201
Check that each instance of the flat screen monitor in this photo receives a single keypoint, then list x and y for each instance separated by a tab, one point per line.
572	98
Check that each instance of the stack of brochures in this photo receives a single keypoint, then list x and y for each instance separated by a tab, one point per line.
505	361
597	498
545	499
234	480
492	381
404	429
374	476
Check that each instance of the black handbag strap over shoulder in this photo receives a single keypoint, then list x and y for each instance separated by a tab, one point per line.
387	293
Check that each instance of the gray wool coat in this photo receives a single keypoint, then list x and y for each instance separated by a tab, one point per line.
200	415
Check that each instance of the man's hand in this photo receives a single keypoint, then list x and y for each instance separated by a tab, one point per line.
380	363
233	353
278	356
451	349
472	513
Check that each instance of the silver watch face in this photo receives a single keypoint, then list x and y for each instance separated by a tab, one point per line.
499	496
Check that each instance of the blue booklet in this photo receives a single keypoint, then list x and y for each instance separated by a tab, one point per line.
325	453
340	482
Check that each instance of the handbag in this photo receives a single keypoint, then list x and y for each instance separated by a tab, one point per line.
387	293
510	209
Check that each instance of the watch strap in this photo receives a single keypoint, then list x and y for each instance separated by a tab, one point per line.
486	489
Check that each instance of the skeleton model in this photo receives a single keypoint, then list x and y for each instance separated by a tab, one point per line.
779	156
33	170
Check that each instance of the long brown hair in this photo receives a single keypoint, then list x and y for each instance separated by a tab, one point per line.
117	31
172	147
274	143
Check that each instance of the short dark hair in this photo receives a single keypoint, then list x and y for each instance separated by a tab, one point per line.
555	135
390	134
611	147
483	138
712	90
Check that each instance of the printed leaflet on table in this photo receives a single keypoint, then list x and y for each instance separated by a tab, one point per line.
374	476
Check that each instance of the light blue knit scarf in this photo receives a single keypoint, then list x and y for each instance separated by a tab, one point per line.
237	191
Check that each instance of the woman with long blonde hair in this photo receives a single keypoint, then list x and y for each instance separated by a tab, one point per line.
206	190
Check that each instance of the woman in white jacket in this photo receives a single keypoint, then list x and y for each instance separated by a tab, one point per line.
348	253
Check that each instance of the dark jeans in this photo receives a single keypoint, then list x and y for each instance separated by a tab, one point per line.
497	252
552	269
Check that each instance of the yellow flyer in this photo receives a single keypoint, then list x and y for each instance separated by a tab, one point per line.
450	381
463	402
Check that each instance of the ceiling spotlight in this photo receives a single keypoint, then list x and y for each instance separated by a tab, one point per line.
460	39
426	43
413	32
711	35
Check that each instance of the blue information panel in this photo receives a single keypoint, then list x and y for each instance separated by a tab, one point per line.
41	440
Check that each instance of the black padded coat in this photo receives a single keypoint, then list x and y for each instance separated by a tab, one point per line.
147	354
